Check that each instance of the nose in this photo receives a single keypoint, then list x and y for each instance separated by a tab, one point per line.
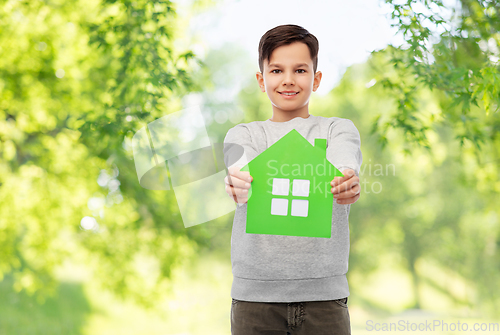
288	80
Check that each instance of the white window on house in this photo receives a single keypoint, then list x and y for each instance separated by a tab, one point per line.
300	207
281	186
300	188
279	207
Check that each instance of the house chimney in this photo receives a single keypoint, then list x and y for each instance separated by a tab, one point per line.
320	143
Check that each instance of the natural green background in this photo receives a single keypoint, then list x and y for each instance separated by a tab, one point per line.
78	78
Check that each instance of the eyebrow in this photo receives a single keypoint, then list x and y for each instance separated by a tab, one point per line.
297	65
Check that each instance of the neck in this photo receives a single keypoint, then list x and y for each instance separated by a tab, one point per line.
283	116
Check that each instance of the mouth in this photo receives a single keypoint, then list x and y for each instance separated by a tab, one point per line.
288	94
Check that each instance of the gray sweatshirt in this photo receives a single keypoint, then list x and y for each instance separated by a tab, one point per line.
278	268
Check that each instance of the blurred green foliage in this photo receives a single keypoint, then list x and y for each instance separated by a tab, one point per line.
454	53
77	79
461	62
65	313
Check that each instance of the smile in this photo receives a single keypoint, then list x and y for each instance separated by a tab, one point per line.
288	95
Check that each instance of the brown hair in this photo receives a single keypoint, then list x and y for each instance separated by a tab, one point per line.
284	35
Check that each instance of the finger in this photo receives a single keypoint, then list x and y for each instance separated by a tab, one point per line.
349	201
356	189
243	175
348	193
348	173
236	182
346	186
239	192
234	191
240	200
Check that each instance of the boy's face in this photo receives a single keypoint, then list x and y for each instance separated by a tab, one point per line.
290	68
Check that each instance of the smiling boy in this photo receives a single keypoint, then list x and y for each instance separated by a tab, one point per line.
291	284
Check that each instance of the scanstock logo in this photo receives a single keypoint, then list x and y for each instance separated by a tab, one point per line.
175	153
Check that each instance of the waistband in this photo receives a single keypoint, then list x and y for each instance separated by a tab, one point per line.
290	290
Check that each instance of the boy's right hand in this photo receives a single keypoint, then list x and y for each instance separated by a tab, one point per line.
237	184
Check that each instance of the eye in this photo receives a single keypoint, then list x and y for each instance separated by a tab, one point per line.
297	70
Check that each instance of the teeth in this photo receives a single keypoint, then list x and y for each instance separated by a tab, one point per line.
290	93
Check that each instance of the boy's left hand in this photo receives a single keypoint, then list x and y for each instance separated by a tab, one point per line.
346	189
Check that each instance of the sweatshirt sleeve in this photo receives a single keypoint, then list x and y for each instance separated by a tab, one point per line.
238	146
344	146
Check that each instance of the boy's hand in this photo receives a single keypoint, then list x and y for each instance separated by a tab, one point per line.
238	184
346	189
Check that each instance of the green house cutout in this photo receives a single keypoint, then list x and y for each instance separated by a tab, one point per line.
291	192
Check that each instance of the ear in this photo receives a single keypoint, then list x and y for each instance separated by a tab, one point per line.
317	80
260	81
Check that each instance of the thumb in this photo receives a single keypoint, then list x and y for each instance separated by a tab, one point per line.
348	173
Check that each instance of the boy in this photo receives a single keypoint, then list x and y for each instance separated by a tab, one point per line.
291	284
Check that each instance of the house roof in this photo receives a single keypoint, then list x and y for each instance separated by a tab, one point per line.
301	146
